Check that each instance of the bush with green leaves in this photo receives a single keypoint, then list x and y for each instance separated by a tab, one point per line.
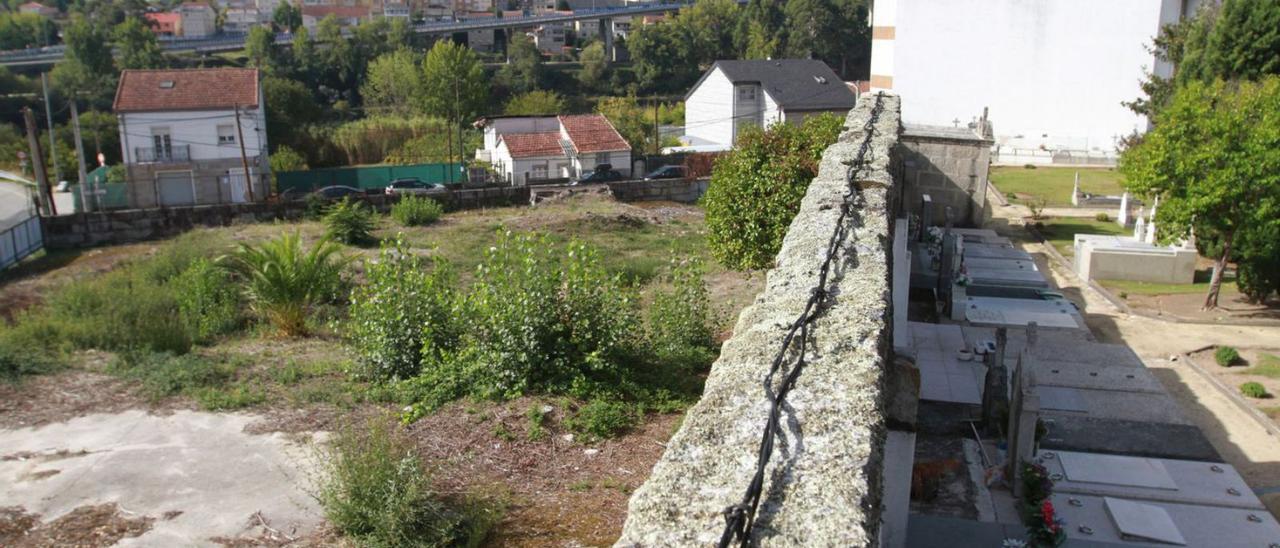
314	206
1253	390
405	309
416	210
378	491
208	300
1226	356
603	418
19	359
756	190
538	317
1102	217
284	282
350	222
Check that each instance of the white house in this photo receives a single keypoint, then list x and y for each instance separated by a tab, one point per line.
734	95
181	131
241	20
533	148
1053	73
198	20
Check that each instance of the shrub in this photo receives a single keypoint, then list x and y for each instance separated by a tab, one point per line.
537	317
1253	390
680	326
1226	356
19	358
416	211
405	308
229	399
756	190
1102	217
118	310
284	283
378	491
314	207
350	222
208	301
600	419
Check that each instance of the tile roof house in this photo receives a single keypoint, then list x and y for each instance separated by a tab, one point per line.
181	133
527	149
165	23
735	95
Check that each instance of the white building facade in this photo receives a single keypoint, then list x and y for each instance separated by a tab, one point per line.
530	149
735	95
183	148
1053	73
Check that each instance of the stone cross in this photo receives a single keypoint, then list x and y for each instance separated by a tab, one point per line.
1024	414
1123	218
1075	191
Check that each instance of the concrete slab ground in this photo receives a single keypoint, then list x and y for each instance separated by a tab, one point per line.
202	465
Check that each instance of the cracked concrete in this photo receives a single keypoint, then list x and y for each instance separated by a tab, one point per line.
197	474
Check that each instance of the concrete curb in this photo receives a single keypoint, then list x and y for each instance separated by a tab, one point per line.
1264	421
1124	307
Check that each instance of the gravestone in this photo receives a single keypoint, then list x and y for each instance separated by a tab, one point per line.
1123	218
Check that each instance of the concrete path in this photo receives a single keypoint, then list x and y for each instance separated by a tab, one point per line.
197	474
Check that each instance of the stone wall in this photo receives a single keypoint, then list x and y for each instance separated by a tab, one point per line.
133	225
686	191
950	165
823	483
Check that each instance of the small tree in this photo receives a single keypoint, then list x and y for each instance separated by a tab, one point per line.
595	66
536	102
393	84
287	17
284	282
137	45
1214	161
756	189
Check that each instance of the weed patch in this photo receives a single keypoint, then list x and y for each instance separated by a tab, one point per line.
416	211
162	374
379	492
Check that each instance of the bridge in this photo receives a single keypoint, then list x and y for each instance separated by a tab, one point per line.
233	42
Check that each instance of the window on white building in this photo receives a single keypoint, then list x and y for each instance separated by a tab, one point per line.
540	171
227	135
602	158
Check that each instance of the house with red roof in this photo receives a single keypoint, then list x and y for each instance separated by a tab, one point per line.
529	149
165	23
183	134
38	9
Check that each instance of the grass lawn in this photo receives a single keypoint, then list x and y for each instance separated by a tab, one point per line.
1061	232
1199	287
1054	184
1268	366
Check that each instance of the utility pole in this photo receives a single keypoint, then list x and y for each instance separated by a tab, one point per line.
244	159
37	164
657	141
48	114
457	97
84	176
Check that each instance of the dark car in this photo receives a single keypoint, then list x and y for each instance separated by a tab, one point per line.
338	192
599	176
668	172
412	185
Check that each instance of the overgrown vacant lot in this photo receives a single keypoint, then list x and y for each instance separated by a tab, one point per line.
534	359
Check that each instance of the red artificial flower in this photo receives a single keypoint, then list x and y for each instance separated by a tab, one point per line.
1046	510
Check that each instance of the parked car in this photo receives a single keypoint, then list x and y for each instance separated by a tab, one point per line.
668	172
338	192
412	185
599	176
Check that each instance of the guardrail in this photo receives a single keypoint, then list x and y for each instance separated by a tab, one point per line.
19	241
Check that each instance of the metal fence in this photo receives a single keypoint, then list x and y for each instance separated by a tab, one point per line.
366	177
20	240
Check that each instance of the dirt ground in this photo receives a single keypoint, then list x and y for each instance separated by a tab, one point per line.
1234	432
1187	306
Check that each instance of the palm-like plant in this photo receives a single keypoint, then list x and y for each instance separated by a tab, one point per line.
284	282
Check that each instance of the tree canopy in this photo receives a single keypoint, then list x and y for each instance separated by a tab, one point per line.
535	102
393	83
1213	159
454	84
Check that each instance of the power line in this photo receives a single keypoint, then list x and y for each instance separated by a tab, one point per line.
739	518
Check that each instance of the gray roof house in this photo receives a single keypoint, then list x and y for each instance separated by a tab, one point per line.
734	95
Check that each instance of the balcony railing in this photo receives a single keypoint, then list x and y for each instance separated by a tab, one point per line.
174	153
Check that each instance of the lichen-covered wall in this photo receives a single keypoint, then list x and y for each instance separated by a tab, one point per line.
822	486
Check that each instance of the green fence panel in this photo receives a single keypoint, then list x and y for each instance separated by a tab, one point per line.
365	177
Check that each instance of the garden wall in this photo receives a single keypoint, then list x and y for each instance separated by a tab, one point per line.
133	225
823	484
